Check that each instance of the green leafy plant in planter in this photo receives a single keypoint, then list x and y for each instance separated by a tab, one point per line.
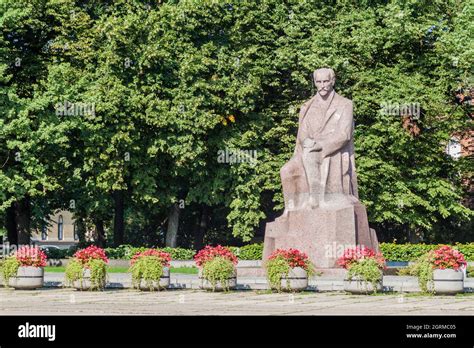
444	257
281	262
363	265
93	259
217	270
217	265
9	269
149	266
367	270
25	256
423	269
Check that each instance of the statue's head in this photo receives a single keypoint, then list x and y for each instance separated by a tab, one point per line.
324	79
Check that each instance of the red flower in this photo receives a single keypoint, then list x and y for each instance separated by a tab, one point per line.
31	256
295	258
353	255
164	257
447	257
209	253
91	253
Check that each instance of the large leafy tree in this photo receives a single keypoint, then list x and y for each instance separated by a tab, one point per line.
175	82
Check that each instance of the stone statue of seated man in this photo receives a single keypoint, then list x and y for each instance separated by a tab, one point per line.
322	171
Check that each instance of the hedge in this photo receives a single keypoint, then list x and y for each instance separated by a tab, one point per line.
391	251
249	251
246	252
127	251
410	252
470	271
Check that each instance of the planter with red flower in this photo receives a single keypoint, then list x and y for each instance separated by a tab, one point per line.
24	270
448	275
364	270
87	270
288	270
216	268
440	271
151	270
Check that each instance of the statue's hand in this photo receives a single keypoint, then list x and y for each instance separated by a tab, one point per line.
308	143
316	147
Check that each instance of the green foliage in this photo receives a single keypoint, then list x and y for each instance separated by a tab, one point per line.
235	250
9	269
172	73
53	253
470	271
405	252
98	270
218	270
423	269
73	272
179	253
251	252
277	268
248	252
412	252
149	269
98	273
126	252
467	250
184	270
366	270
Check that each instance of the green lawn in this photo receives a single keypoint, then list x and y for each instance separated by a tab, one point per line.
185	270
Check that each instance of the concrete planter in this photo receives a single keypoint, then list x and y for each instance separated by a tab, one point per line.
359	287
27	278
163	283
296	280
448	281
85	282
206	284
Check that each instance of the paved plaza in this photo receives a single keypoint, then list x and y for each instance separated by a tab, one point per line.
54	301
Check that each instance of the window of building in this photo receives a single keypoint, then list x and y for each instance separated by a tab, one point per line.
76	236
60	227
44	233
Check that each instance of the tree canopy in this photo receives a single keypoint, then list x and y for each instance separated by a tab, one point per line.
117	111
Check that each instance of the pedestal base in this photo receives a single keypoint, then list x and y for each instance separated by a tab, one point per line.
322	233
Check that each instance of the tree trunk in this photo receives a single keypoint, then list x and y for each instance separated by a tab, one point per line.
119	226
81	229
202	229
173	224
10	225
99	228
23	218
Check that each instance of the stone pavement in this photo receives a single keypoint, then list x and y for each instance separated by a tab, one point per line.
323	283
53	301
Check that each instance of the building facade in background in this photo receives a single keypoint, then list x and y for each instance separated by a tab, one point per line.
59	231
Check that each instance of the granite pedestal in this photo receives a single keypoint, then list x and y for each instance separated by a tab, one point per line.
322	233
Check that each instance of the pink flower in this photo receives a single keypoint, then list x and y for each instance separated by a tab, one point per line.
164	257
295	258
31	256
353	255
209	253
447	257
91	253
